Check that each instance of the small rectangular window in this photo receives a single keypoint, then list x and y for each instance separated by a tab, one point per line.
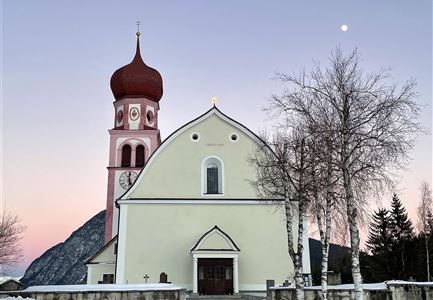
107	278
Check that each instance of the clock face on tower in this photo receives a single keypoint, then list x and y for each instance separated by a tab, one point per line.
127	178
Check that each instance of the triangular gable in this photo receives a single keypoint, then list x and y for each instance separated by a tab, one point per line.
215	240
105	254
213	111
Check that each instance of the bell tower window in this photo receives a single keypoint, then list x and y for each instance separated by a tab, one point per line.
126	156
212	176
139	156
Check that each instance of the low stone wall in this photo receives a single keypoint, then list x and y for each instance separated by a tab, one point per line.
127	295
100	292
290	294
411	291
390	290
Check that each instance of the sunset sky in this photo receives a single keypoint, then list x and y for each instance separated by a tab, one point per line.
57	58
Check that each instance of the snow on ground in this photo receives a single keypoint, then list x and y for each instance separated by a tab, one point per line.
401	282
103	287
366	286
16	298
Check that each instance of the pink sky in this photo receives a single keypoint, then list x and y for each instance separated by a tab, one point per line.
57	60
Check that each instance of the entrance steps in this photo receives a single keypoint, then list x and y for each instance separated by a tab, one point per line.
214	297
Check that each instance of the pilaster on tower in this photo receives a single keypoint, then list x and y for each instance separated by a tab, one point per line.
137	89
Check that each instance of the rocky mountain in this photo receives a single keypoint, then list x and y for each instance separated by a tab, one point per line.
64	263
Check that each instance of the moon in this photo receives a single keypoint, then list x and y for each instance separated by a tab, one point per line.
344	27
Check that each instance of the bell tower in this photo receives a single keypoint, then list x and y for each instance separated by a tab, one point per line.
137	89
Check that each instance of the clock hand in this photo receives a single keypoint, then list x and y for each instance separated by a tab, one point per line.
129	178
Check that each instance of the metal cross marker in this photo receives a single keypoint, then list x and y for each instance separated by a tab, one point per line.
214	100
138	25
146	277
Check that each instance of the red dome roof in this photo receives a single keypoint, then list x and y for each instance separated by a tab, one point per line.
137	80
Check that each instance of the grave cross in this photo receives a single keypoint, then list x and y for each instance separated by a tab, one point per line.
146	277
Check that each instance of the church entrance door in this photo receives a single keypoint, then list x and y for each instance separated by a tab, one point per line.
215	276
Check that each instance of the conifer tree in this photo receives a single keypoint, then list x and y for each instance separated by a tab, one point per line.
402	233
380	245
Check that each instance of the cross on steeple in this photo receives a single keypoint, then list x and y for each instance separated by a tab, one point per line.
138	25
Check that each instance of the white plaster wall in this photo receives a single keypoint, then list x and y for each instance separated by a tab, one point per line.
158	238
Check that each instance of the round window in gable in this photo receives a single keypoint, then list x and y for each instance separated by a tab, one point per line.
234	137
195	137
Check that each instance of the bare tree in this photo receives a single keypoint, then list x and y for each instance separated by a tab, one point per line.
10	236
283	173
373	124
425	212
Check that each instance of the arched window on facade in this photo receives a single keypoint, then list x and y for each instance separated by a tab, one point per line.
139	156
126	156
212	176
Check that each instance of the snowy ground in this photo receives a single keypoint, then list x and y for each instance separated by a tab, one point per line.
16	298
366	286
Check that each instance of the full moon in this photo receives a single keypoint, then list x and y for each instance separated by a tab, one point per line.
344	27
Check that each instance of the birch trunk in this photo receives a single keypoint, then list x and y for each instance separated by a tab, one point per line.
324	271
427	258
352	216
326	235
296	256
324	239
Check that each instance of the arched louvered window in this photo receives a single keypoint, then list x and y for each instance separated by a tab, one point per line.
139	156
126	156
212	175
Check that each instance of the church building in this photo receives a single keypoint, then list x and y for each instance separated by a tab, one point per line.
183	211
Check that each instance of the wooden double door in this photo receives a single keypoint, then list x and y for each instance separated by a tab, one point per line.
215	276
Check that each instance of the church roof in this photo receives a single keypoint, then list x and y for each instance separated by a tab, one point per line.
137	79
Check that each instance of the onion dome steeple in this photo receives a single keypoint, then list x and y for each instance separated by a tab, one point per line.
137	79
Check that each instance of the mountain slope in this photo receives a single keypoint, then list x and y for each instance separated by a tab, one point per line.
64	263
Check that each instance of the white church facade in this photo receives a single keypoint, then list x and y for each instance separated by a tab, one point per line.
184	210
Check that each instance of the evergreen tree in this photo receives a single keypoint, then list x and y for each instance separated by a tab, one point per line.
402	233
380	245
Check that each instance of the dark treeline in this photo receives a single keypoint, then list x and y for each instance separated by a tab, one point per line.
396	251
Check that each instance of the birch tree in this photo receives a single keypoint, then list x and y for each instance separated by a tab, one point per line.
283	173
425	211
374	125
325	200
